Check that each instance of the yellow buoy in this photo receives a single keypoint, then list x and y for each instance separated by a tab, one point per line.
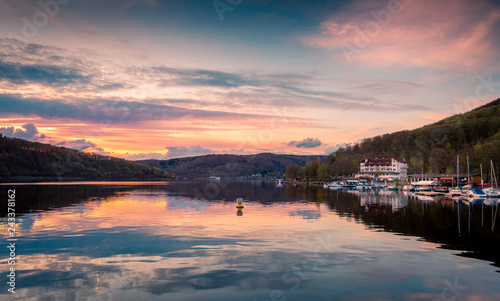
239	206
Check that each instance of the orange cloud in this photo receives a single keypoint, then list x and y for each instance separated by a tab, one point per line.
442	35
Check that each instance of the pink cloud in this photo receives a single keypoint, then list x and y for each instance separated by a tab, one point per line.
449	34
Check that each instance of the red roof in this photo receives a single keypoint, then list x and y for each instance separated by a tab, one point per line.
382	161
400	160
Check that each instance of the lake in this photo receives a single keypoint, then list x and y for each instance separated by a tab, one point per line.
187	241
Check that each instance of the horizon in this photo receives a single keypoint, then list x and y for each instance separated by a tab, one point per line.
146	79
344	145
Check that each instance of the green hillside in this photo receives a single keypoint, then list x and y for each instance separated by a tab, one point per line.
433	147
229	166
21	158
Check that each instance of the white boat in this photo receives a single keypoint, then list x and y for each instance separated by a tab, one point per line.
392	188
350	183
491	192
335	185
455	192
332	185
476	193
408	188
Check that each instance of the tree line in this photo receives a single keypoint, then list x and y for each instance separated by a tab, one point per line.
229	166
432	148
21	158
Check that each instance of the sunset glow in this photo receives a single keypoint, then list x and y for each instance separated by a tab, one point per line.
159	79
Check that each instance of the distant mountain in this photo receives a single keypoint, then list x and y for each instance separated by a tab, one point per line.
24	160
432	148
229	166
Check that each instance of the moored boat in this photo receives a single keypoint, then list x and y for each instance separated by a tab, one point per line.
332	185
441	189
476	193
350	184
408	188
424	188
455	192
491	192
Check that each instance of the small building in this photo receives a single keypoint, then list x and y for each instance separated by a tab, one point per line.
384	168
447	180
256	177
425	183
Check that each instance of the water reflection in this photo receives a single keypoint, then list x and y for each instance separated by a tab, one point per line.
175	241
381	200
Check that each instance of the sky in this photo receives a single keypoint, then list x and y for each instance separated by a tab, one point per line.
142	79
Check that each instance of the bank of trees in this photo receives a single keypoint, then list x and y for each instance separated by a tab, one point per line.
229	166
432	148
21	158
336	165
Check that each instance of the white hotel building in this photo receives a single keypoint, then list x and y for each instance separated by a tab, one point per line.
385	168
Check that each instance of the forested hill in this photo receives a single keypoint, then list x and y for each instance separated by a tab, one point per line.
21	158
229	166
433	147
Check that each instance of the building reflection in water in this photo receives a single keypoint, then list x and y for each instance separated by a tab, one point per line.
477	211
382	200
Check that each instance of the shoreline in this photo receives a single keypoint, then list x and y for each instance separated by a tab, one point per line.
75	180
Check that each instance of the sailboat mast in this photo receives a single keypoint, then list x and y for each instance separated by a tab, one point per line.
481	167
493	175
458	169
469	175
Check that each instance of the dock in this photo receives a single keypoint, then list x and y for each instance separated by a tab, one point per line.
430	193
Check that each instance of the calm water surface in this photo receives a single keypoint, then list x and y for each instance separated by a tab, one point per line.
186	241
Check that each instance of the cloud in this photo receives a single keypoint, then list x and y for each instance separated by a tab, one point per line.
333	149
30	132
175	152
27	131
52	75
81	75
440	35
144	156
187	151
82	145
105	110
200	77
306	143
